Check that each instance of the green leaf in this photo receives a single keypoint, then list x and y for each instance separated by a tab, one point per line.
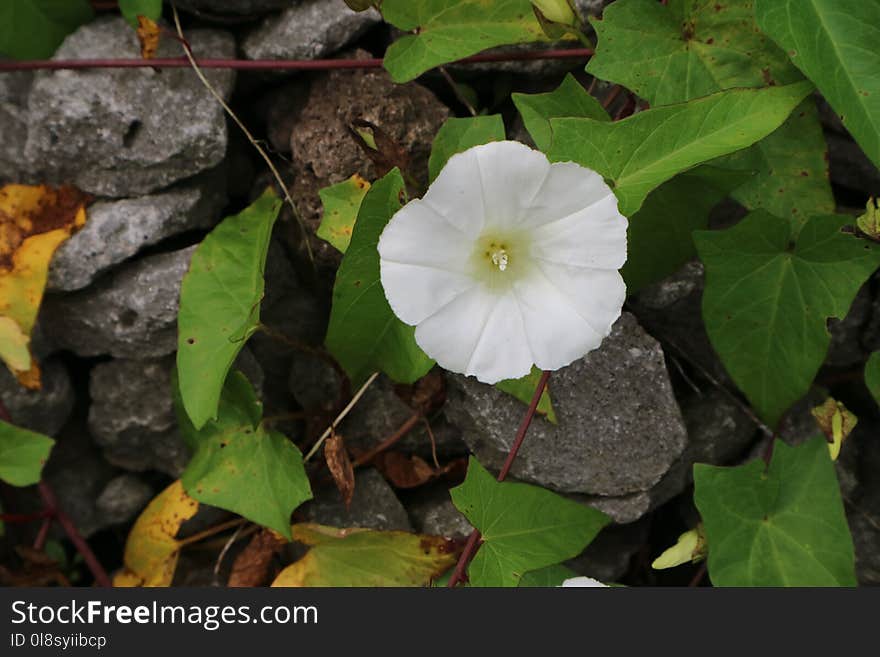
686	50
524	389
241	466
670	54
834	43
569	99
768	296
524	527
342	202
659	238
551	576
33	29
779	526
364	334
366	557
872	375
449	30
647	149
457	135
131	9
791	169
220	303
23	454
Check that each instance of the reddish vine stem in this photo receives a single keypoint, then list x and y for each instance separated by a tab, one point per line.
274	64
53	512
51	502
472	544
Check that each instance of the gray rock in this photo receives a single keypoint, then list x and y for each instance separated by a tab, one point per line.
862	504
849	166
314	382
291	310
117	230
14	88
670	310
719	433
232	7
620	428
608	557
309	30
374	505
131	313
77	474
846	347
434	513
45	410
381	412
127	132
132	415
324	152
123	498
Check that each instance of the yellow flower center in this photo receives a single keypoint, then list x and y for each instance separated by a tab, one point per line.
500	259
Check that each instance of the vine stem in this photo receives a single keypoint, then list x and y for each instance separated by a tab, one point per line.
472	544
52	511
273	64
196	67
51	502
339	418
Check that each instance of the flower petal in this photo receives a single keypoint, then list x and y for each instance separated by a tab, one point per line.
415	292
582	582
457	195
416	234
511	174
568	311
593	237
478	333
568	188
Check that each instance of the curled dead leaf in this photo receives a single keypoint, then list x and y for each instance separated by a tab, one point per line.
379	146
340	467
34	221
251	567
405	471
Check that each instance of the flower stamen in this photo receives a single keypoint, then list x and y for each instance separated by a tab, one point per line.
500	258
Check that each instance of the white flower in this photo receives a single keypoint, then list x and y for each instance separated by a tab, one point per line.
507	261
582	582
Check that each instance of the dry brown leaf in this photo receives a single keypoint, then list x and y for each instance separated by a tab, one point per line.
148	34
379	146
340	467
251	567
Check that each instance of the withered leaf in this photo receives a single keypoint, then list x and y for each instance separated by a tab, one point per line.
34	221
251	567
340	467
379	146
148	34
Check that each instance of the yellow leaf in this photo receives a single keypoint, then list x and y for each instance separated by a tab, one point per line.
34	221
14	345
869	222
148	35
151	549
366	557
